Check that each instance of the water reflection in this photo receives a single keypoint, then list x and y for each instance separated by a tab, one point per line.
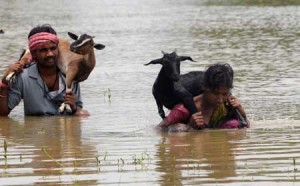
190	158
45	146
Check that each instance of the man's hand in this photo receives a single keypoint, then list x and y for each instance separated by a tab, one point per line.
16	67
70	98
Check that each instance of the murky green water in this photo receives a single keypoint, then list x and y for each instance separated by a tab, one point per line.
118	143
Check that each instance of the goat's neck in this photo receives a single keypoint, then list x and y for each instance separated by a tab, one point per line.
163	79
178	68
90	58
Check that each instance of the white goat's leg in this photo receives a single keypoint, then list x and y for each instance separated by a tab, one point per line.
62	107
65	106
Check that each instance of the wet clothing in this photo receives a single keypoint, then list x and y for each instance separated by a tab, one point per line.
37	99
222	117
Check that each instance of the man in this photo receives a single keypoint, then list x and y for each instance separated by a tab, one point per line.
42	85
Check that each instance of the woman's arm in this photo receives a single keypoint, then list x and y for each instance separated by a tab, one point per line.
236	103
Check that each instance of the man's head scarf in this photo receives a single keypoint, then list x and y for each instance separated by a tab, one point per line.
37	39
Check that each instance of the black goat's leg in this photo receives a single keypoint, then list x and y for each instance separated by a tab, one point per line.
190	104
185	97
160	108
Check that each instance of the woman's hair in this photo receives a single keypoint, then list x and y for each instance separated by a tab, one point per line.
217	76
42	28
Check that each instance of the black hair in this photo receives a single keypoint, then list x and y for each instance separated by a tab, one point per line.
218	75
42	28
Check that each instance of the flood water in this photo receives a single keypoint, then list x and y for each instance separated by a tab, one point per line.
118	144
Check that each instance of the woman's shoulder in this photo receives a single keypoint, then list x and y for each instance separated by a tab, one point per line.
198	101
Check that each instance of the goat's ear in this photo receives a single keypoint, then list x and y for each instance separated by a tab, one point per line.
183	58
156	61
73	36
99	46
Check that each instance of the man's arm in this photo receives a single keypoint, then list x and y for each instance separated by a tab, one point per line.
71	99
4	110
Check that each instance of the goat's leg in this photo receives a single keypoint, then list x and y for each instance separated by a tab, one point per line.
186	98
68	107
160	108
70	74
189	103
65	106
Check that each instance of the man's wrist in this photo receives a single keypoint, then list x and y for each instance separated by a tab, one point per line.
3	86
74	110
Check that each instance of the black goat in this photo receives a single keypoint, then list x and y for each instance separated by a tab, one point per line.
171	88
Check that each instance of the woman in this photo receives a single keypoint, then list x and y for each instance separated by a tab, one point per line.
217	107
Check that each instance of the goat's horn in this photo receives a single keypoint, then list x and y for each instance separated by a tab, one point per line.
183	58
156	61
163	52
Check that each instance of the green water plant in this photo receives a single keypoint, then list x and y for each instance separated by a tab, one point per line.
42	131
294	163
98	162
140	160
121	164
105	155
108	92
5	145
49	156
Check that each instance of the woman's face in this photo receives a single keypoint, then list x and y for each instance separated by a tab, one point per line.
218	96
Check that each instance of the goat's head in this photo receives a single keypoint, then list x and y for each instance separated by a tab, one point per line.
171	64
83	44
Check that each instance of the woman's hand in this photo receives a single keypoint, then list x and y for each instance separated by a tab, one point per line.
234	102
197	120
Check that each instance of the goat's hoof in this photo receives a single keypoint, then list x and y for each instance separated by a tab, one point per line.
62	107
9	76
68	108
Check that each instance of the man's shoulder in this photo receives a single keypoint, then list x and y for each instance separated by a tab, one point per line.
30	70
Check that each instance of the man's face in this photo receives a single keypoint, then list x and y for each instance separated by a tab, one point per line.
46	55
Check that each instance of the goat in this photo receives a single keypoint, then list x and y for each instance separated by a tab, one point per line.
171	88
75	60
